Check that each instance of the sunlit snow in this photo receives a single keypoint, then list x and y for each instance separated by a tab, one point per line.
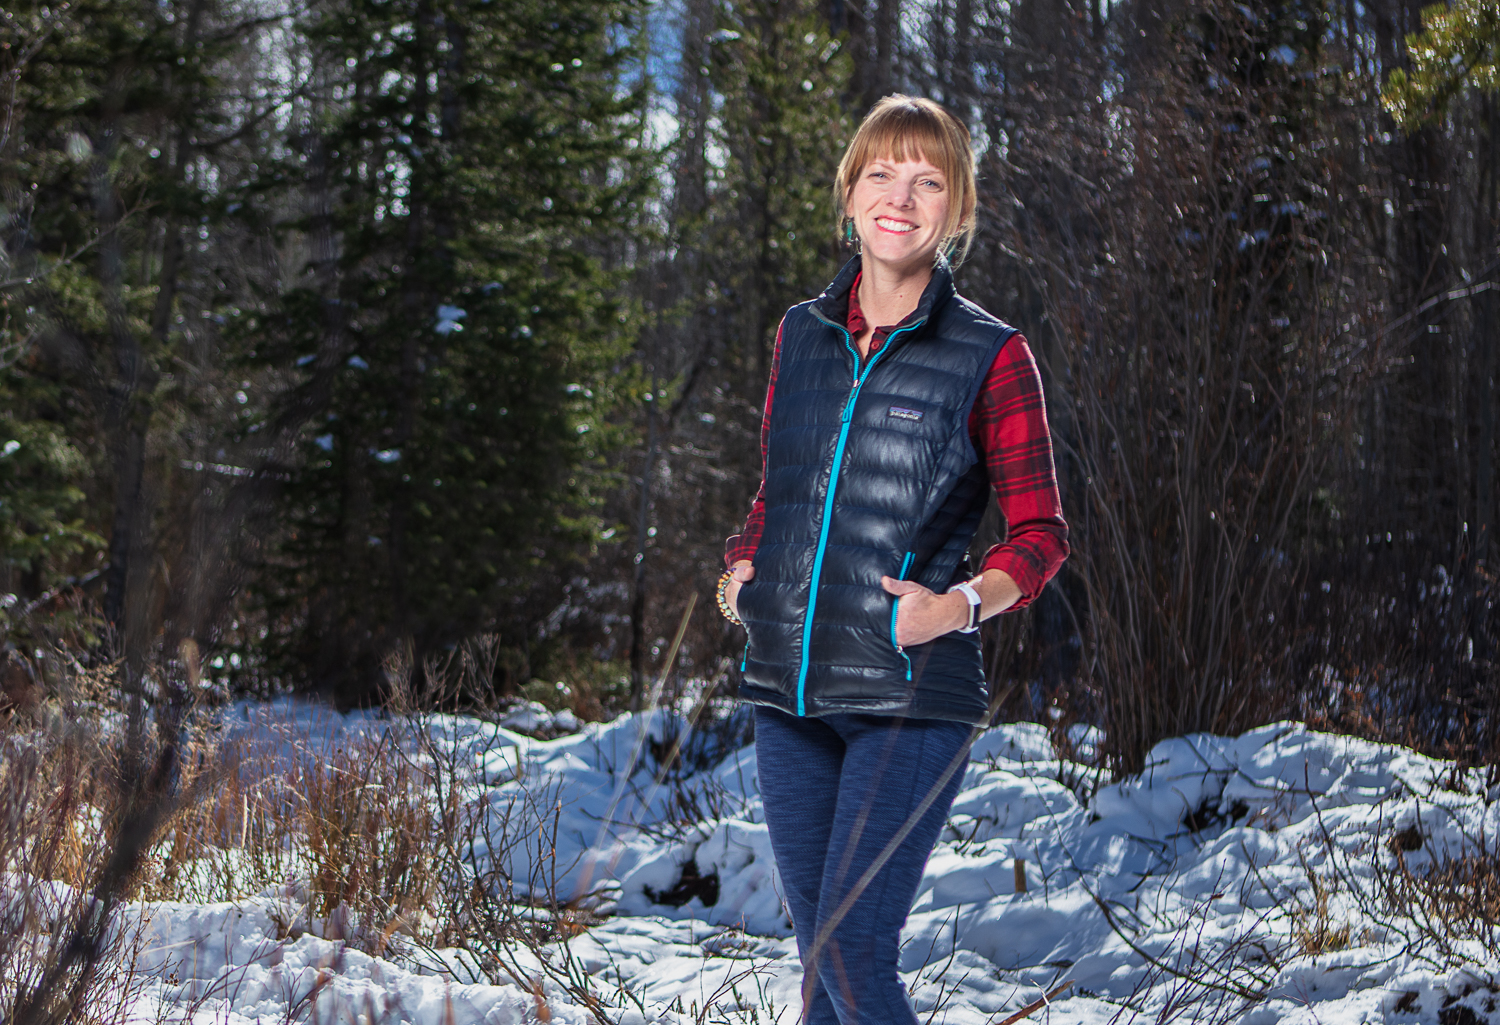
1243	879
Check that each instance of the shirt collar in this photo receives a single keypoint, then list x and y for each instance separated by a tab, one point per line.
835	305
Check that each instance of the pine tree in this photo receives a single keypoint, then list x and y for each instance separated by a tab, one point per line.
783	130
1458	48
751	229
105	107
466	167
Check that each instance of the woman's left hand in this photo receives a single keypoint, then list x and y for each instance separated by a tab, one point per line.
924	614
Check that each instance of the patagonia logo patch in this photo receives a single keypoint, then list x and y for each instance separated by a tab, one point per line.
903	413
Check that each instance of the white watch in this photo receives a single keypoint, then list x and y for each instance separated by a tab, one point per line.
967	590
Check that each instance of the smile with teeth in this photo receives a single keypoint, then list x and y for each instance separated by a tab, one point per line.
890	225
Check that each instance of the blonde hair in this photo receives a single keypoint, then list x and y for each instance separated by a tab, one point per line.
907	128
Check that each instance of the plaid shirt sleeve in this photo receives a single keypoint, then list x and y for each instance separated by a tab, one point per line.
1009	428
742	546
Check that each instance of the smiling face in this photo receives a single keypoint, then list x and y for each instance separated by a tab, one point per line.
900	210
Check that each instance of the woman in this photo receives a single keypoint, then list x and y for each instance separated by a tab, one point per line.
880	446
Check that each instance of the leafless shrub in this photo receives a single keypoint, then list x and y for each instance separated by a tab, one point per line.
1457	896
1449	904
1191	969
504	900
74	826
391	842
1180	248
1443	911
1404	653
733	999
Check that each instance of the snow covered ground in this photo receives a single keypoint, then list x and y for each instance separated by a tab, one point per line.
1274	877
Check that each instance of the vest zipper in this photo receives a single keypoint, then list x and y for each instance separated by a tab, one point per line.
833	478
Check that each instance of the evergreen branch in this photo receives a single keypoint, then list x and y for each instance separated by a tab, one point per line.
255	121
64	261
15	72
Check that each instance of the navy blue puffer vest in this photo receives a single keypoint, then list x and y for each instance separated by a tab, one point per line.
870	472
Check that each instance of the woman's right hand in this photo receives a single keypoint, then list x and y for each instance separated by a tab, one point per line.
744	572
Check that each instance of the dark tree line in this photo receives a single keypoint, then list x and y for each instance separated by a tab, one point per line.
311	314
351	329
1260	308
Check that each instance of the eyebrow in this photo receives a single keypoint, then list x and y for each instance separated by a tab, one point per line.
933	169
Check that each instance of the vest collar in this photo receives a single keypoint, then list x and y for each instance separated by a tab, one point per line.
832	304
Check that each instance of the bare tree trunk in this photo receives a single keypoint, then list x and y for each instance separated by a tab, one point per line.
127	410
1484	330
642	536
417	305
168	283
963	55
690	198
887	40
861	89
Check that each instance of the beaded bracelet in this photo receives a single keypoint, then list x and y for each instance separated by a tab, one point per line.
724	608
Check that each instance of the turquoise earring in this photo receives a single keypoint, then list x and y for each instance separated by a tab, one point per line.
851	238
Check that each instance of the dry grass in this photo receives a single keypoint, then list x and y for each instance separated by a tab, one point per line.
1314	926
76	807
356	827
388	845
1452	898
379	838
387	840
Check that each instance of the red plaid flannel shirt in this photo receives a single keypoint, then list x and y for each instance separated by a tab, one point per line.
1009	427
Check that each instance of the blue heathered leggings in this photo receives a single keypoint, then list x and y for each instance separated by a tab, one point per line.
836	790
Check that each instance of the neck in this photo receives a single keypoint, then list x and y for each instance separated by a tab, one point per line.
887	294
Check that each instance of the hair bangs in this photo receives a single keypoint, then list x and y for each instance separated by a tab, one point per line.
899	138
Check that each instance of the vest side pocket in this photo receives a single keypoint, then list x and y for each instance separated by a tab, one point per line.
750	615
744	603
895	609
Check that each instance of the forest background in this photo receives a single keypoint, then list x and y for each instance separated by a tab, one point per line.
341	338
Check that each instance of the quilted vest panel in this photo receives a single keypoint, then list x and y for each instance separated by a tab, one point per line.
870	472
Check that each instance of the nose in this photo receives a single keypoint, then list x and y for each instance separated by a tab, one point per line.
899	194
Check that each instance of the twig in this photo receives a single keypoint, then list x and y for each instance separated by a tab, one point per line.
1228	987
651	703
1036	1005
47	596
67	258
